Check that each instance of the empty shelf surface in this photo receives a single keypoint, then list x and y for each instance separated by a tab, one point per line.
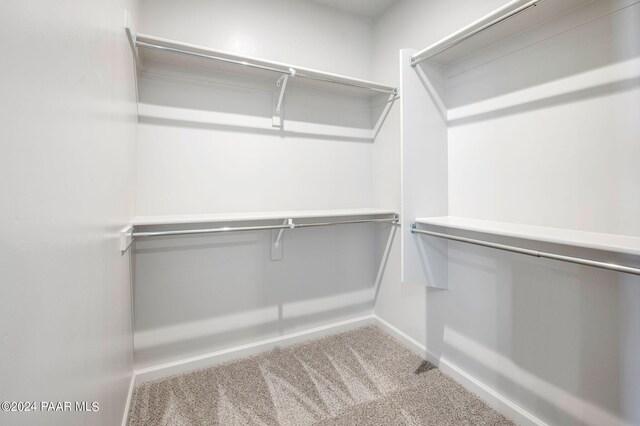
592	240
513	18
256	216
160	50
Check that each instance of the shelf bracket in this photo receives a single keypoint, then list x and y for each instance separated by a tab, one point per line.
289	222
126	239
132	38
282	84
134	49
276	240
385	111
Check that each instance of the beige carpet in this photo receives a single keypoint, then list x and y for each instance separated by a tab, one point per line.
361	377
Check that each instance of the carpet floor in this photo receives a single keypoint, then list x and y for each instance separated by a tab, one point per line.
361	377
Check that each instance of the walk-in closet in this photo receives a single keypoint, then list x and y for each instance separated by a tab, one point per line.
320	212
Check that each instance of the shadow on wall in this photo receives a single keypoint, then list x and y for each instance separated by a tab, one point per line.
196	295
597	58
560	338
548	101
157	121
229	103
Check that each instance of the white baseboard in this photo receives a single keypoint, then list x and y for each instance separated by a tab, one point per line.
132	386
207	360
489	395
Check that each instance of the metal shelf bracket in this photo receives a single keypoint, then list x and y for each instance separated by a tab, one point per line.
282	84
385	111
292	225
126	239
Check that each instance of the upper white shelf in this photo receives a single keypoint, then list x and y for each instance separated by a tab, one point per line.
513	18
151	48
256	216
591	240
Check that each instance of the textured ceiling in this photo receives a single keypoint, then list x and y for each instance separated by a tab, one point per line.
372	9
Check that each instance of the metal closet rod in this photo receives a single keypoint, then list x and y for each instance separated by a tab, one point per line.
288	71
533	253
290	225
415	60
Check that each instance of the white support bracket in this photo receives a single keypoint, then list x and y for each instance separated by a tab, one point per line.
282	84
134	49
131	37
385	111
276	240
126	238
291	226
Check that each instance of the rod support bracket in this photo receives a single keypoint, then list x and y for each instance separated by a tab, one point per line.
289	222
282	84
126	238
284	77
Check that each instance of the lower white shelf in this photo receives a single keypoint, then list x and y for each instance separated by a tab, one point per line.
593	240
162	226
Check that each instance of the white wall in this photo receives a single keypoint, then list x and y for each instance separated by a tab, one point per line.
557	339
196	295
303	33
220	165
559	137
272	169
68	119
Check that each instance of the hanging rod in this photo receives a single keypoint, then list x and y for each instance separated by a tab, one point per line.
287	71
290	225
425	54
527	252
139	234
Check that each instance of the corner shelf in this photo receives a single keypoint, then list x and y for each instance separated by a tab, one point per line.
615	243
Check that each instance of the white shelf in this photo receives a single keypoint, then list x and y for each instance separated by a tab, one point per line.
306	77
513	18
592	240
255	216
